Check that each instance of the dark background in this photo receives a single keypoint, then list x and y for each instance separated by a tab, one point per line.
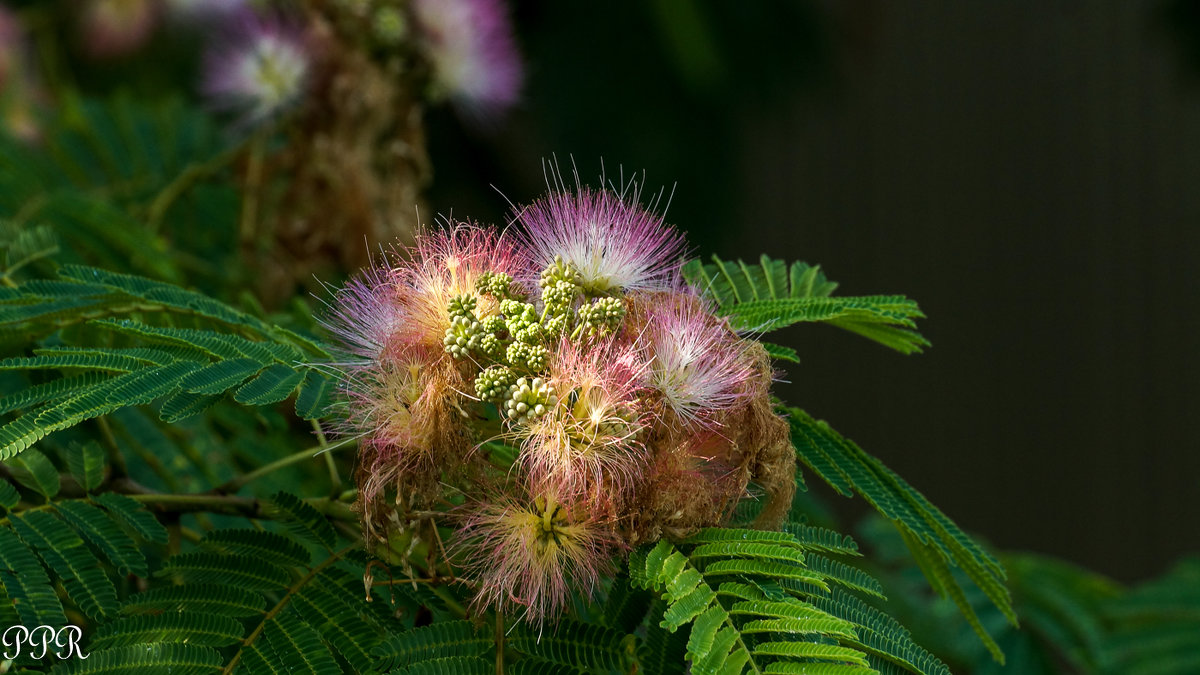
1028	171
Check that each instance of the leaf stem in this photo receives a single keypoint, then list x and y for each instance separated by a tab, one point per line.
236	483
192	174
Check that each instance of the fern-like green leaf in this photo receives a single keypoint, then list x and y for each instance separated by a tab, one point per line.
846	575
763	297
221	376
316	396
269	546
450	665
35	471
296	645
722	640
192	627
245	571
339	624
814	538
812	650
50	392
445	638
9	496
573	644
270	386
133	515
780	352
879	634
210	598
26	583
86	463
303	520
108	538
145	659
65	553
849	469
183	405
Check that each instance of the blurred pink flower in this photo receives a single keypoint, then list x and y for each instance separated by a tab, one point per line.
474	58
259	68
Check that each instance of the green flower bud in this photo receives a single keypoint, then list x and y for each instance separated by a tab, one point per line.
560	270
602	315
555	326
497	284
494	325
531	357
462	336
491	345
518	316
528	399
494	383
559	297
462	306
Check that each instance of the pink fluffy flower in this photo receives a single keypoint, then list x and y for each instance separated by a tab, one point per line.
470	46
612	241
697	364
530	554
588	444
445	263
261	67
365	314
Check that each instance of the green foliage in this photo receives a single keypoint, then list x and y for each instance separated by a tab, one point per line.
770	295
107	177
755	600
934	540
148	356
1154	625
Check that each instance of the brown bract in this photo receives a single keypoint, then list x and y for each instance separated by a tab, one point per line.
698	477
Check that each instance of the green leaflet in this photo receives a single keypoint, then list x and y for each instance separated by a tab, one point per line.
268	546
270	386
66	555
770	295
1155	624
87	464
26	583
105	535
282	616
242	571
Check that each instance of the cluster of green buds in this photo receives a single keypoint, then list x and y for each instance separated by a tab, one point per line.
514	341
465	333
498	285
601	316
528	398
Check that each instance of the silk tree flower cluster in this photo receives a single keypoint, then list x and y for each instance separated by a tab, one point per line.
557	394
